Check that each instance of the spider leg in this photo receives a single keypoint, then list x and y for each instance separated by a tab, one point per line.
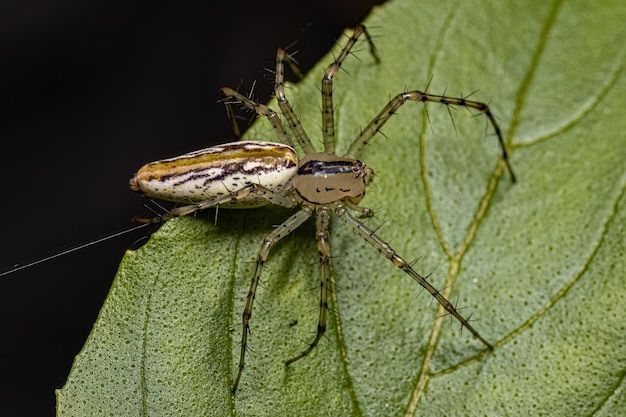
328	118
385	250
265	193
291	224
394	104
323	247
261	110
279	91
233	120
364	212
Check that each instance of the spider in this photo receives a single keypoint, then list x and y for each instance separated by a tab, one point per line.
251	174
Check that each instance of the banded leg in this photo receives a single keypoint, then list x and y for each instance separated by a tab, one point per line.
270	240
263	192
394	104
323	247
385	250
261	110
328	117
279	91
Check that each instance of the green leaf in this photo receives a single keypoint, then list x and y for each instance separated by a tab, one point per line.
539	264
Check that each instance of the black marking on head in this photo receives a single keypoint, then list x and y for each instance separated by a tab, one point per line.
324	168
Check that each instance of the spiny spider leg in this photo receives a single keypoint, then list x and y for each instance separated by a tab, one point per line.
394	104
323	247
261	191
261	110
291	224
364	212
279	91
328	122
233	119
328	116
385	250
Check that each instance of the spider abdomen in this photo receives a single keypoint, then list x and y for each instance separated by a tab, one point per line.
213	172
324	178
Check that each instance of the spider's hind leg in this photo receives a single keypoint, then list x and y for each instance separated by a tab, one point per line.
233	97
241	194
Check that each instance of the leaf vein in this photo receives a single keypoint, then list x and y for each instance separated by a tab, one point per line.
575	277
530	74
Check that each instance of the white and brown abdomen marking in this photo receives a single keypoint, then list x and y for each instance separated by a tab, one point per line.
219	170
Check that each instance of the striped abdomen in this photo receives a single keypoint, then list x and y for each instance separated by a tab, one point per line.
212	172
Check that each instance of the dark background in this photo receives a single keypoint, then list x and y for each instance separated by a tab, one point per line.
90	92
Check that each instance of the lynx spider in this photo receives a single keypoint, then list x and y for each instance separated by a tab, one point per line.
320	183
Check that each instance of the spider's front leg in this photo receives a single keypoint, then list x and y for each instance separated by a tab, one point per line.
270	240
323	247
395	103
383	247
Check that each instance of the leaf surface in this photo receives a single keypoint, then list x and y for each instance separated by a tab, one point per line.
539	264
